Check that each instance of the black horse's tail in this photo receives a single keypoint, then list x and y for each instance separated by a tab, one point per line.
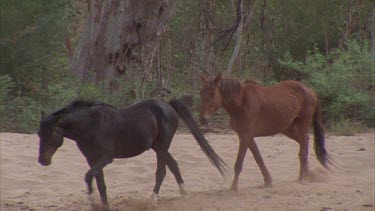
185	114
319	138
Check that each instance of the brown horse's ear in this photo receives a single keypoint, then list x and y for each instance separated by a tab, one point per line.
42	115
217	79
203	78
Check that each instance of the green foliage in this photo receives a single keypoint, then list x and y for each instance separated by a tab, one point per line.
122	96
343	80
35	76
345	127
32	34
6	85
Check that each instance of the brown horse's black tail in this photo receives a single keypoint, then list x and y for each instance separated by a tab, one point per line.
185	114
319	138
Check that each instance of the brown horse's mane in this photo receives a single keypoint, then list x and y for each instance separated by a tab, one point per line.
251	81
229	87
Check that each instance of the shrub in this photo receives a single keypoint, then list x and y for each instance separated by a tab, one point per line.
343	80
345	127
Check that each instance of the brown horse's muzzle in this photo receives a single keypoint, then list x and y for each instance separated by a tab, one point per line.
202	120
205	121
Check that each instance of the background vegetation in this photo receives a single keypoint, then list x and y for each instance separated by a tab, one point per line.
328	45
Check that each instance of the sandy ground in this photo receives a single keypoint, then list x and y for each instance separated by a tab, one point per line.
25	185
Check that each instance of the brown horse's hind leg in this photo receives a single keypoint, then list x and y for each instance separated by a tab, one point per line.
258	158
244	143
300	134
303	152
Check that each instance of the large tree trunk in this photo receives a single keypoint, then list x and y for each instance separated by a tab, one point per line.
121	35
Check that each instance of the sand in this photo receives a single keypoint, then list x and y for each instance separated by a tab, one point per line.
26	185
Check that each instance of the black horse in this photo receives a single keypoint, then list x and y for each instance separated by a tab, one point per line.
103	132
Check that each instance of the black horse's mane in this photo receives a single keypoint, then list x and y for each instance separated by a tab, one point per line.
71	108
77	105
47	123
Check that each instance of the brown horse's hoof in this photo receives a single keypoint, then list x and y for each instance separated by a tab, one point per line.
269	185
234	189
183	190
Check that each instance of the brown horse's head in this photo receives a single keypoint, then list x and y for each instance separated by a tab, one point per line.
50	140
210	97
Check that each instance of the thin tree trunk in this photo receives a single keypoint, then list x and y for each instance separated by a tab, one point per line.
170	64
237	47
208	37
69	49
88	3
160	76
325	33
346	32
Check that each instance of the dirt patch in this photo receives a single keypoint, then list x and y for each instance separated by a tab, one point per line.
25	185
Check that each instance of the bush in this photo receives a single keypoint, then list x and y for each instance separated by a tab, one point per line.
345	127
343	80
6	86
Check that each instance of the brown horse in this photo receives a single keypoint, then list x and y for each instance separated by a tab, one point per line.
287	107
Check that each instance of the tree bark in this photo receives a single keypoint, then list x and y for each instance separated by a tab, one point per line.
121	35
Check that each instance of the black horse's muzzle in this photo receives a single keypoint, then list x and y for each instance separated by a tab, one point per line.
44	162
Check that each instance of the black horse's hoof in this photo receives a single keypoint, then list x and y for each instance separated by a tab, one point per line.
88	180
89	189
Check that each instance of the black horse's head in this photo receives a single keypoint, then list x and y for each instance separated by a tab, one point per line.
50	138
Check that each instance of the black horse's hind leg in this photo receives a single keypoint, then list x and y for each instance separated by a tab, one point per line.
160	171
172	165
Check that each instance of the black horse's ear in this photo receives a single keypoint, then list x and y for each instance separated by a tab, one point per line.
42	115
217	79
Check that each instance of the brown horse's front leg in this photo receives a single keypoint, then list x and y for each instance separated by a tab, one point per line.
239	162
258	158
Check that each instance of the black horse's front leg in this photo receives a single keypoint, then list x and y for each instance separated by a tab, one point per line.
101	187
97	171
